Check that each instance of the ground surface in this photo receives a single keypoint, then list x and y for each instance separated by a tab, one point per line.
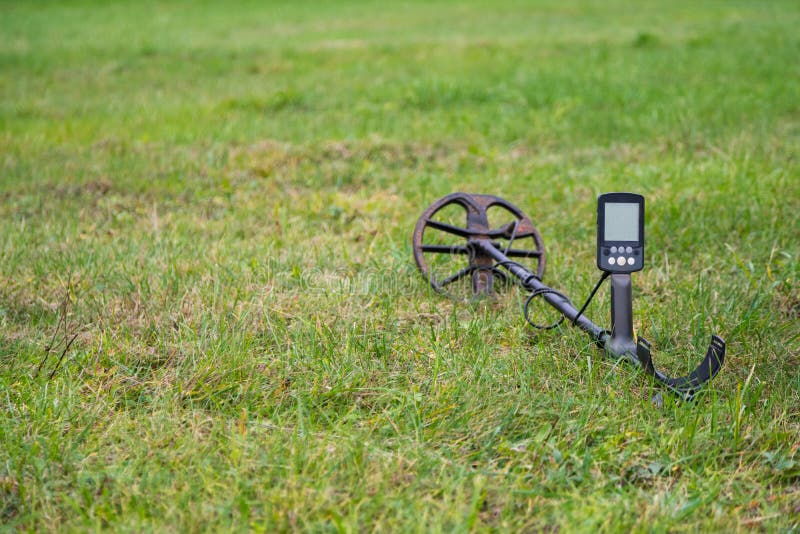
213	203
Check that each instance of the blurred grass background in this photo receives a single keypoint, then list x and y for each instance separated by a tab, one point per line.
213	203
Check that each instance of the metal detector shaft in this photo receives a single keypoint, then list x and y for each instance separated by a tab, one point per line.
532	282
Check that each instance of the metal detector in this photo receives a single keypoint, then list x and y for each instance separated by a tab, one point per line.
499	245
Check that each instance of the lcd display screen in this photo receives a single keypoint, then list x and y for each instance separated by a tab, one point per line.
621	221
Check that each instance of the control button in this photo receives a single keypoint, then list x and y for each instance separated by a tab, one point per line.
613	250
630	261
637	251
612	260
628	249
621	260
605	252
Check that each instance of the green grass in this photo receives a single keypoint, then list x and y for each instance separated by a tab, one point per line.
216	200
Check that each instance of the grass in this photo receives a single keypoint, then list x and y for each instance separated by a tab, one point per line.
209	314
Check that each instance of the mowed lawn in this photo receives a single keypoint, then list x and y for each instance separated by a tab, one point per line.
210	318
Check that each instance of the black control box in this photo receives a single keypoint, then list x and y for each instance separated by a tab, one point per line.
620	232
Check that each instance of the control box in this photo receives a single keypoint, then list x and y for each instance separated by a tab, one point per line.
620	232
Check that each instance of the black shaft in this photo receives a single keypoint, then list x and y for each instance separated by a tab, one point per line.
621	341
532	283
